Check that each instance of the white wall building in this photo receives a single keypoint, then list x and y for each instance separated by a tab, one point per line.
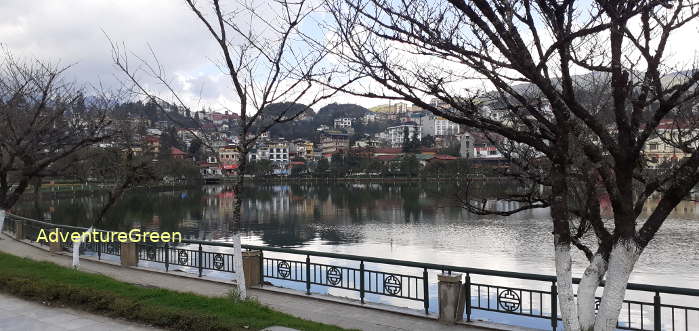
396	133
344	122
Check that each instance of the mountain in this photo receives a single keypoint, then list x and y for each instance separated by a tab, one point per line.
329	113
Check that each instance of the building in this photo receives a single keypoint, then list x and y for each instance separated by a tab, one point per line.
229	155
659	147
465	146
396	134
178	154
260	152
343	122
369	117
438	126
279	152
334	142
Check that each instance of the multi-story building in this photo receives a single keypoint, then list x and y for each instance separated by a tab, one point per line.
659	148
334	142
343	122
438	126
369	117
260	152
279	152
396	134
229	155
465	146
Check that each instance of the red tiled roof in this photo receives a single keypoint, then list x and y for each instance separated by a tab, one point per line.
297	163
386	157
388	151
176	151
230	166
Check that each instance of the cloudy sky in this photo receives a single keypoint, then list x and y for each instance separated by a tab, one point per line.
73	32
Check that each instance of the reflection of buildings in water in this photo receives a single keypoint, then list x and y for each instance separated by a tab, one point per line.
685	209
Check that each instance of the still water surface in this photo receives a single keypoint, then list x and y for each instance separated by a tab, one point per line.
410	221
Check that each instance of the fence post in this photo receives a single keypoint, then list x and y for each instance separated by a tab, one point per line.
129	254
200	260
19	229
361	280
167	257
657	323
308	274
449	295
426	291
467	296
99	249
554	306
262	269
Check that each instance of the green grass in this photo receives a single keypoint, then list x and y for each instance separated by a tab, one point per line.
48	282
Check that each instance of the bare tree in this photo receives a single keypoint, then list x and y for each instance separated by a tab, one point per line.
44	121
262	55
574	91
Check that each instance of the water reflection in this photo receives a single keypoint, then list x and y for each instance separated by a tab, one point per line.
409	221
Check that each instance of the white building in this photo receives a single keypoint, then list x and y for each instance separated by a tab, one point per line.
279	153
369	117
344	122
396	134
438	126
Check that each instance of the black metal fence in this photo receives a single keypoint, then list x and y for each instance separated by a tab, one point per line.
403	280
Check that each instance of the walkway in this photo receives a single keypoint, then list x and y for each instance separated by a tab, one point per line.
333	311
20	315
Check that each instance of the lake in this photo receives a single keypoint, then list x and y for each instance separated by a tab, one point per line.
410	221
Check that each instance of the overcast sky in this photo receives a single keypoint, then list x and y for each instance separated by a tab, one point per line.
72	32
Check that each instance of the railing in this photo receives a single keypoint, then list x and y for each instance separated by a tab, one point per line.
404	280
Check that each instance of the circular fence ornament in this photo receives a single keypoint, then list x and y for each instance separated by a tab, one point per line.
509	300
392	285
150	253
182	257
283	269
110	249
334	276
218	261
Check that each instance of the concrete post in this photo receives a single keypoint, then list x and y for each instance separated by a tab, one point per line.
129	254
55	246
252	268
449	293
19	230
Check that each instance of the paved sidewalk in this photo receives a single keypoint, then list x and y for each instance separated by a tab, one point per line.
20	315
306	307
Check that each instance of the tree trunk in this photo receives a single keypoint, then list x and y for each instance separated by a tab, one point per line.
621	262
564	276
2	219
586	291
237	209
76	248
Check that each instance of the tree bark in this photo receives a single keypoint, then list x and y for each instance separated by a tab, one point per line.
237	211
2	219
566	297
76	248
622	259
586	291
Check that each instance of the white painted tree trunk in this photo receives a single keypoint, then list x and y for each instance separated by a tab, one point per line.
238	266
2	219
76	248
566	297
621	262
586	292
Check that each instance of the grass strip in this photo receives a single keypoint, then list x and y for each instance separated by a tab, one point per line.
48	282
